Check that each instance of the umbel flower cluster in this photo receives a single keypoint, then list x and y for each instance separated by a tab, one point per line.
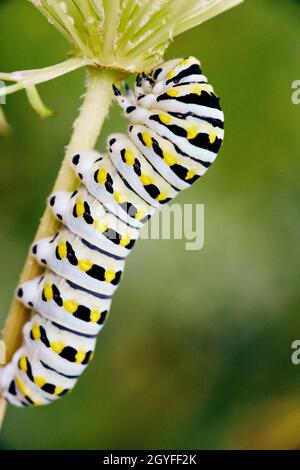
126	35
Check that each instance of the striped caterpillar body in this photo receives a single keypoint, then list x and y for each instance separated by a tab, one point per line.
176	129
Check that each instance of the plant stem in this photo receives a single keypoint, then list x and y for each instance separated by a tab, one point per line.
87	127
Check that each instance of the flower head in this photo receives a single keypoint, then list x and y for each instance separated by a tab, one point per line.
126	35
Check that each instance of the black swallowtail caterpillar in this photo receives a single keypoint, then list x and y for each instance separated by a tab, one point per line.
176	129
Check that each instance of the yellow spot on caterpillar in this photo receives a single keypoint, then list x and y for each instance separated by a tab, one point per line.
129	157
102	175
23	364
190	175
172	92
70	306
57	346
184	62
169	158
109	276
147	139
140	215
120	198
100	226
62	249
80	356
197	90
212	138
146	180
162	197
48	292
191	132
21	386
125	240
58	390
165	118
84	265
95	316
36	332
23	390
170	75
80	210
39	381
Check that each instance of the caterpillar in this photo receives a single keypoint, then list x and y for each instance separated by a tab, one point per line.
175	132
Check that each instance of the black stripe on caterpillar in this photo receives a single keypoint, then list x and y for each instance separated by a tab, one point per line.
176	130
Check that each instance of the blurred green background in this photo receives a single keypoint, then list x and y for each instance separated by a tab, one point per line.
196	353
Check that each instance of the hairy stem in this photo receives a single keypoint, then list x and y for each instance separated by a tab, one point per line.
87	127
